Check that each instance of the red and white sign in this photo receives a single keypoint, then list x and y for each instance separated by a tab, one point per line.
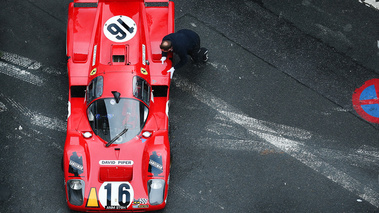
366	101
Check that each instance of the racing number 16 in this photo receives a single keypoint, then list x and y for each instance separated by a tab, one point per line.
123	194
120	28
114	29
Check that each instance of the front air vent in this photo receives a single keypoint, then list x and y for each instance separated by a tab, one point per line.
120	54
160	91
78	91
118	58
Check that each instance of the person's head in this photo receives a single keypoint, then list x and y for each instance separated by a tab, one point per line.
166	46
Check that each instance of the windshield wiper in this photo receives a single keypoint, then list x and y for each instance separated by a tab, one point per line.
117	137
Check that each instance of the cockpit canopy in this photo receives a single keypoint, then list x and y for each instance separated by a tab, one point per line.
119	118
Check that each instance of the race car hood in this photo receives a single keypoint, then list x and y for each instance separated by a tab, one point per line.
133	163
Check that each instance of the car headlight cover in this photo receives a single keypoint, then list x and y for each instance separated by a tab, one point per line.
75	192
76	184
156	184
156	189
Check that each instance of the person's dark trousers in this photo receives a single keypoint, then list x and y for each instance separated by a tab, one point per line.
195	50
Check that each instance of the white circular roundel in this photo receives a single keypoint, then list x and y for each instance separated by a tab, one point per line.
116	195
120	28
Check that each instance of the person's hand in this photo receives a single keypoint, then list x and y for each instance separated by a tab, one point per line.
171	71
163	59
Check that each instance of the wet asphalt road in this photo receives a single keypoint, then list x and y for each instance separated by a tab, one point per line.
267	125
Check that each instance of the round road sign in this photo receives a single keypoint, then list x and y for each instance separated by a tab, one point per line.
366	102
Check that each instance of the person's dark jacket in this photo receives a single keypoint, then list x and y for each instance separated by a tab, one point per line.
183	42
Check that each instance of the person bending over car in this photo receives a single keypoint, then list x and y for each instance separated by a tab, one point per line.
184	42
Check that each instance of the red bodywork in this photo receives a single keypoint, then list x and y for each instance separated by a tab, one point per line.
117	40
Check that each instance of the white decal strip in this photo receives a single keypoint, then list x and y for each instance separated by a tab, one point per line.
116	162
291	147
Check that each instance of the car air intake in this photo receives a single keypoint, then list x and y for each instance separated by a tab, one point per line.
119	55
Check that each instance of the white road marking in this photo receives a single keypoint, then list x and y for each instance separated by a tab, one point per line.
47	122
3	108
194	198
218	66
275	137
21	68
51	70
368	151
20	61
20	74
35	136
237	144
370	3
37	118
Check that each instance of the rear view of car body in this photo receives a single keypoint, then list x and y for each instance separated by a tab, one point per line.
117	153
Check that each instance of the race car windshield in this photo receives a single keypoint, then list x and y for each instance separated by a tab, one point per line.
109	118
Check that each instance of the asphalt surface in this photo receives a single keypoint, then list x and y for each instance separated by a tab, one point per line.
267	125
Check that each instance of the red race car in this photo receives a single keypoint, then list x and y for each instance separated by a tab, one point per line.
117	153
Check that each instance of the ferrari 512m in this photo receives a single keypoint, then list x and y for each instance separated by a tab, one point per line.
117	154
